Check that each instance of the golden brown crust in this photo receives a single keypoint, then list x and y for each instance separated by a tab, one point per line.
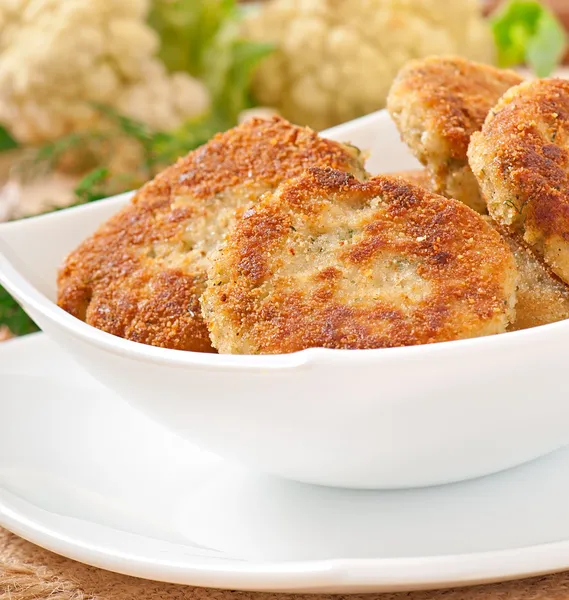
437	103
419	177
328	261
541	297
521	160
141	275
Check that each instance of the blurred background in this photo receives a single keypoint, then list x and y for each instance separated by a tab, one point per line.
97	96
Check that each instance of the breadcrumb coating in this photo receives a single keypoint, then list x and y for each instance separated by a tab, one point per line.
521	160
329	261
437	103
141	275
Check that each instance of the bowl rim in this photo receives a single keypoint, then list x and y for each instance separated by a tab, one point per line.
29	295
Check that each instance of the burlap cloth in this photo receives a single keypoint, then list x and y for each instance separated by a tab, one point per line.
30	573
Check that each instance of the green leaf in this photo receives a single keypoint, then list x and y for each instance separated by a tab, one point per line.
186	28
7	142
89	188
230	63
546	48
526	31
202	37
12	315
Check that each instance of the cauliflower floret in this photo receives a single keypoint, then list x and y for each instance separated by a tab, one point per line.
59	56
166	96
336	60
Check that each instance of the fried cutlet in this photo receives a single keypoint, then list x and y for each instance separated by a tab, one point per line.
140	276
437	103
521	160
330	261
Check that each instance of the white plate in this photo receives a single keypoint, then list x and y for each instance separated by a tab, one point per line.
85	475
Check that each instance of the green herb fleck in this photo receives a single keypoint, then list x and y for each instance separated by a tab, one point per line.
519	209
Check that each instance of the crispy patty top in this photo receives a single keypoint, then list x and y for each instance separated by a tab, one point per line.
329	261
521	160
453	96
541	297
140	276
437	103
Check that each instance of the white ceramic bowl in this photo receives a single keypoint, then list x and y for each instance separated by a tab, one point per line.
386	418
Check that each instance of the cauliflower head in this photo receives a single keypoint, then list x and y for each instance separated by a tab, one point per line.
336	60
60	56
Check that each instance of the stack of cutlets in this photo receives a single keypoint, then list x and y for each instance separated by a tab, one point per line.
270	239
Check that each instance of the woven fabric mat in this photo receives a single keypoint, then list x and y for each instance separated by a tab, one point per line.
31	573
